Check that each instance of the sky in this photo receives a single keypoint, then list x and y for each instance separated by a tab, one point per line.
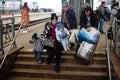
54	4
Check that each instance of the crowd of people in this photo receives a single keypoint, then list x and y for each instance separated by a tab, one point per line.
59	31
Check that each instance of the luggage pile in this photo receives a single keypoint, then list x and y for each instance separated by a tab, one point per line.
89	43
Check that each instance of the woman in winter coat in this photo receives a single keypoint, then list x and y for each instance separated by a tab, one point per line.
25	17
49	32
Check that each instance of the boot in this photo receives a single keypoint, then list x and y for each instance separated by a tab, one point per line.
57	69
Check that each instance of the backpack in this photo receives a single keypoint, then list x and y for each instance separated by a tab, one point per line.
110	34
118	15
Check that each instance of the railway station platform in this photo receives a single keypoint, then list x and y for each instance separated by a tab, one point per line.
27	68
23	39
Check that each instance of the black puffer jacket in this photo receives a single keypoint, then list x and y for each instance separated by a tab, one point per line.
84	20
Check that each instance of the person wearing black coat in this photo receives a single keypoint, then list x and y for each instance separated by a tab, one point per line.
87	18
69	18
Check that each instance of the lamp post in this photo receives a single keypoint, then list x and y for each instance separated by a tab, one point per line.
3	2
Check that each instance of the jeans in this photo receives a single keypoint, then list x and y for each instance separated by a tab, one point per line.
101	25
37	54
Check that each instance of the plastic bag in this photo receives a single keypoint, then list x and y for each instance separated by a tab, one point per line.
92	36
73	36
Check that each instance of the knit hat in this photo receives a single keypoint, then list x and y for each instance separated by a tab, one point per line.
59	25
34	35
65	4
54	16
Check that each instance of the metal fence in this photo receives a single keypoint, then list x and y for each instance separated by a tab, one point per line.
7	32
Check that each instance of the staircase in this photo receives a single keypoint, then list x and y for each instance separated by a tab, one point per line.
26	67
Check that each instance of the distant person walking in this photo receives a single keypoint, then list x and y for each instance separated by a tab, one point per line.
49	32
25	17
102	16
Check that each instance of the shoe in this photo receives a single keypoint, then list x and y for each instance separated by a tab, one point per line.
25	31
39	62
102	32
74	56
72	45
48	62
65	50
68	49
57	69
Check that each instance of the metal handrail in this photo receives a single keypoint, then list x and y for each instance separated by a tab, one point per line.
108	56
11	45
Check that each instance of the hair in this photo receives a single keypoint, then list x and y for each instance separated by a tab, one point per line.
88	9
25	6
115	3
34	36
103	2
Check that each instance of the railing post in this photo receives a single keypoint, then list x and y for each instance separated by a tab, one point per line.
13	31
1	37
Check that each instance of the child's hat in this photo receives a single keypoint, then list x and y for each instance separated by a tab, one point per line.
59	25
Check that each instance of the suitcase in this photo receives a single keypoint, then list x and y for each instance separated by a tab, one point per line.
86	51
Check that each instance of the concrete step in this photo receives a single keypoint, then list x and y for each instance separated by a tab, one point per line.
69	59
76	75
26	66
64	66
33	78
71	52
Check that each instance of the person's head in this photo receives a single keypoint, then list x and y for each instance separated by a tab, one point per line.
103	3
65	6
116	3
25	4
54	18
88	11
34	36
59	26
86	0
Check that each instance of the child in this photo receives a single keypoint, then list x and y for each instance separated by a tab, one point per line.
38	47
62	35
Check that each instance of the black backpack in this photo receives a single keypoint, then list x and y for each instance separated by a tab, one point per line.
110	34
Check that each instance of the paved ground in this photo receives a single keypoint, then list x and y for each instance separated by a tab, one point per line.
33	16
